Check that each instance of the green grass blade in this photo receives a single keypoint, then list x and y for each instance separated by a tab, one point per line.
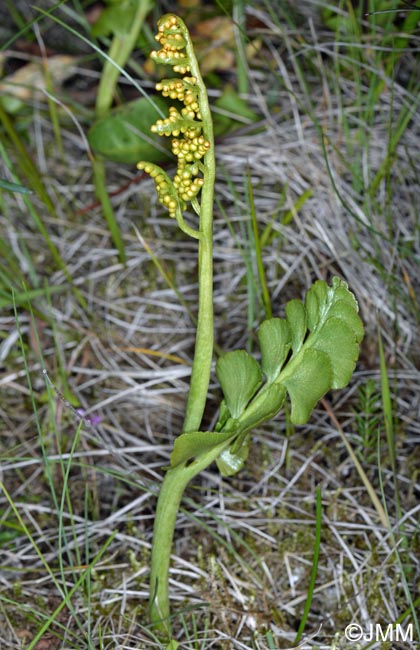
258	252
314	570
242	71
26	165
99	176
14	187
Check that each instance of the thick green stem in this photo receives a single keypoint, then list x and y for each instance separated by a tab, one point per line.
173	486
169	500
200	375
203	354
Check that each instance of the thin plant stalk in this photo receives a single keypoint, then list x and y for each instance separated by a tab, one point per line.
171	492
314	570
203	354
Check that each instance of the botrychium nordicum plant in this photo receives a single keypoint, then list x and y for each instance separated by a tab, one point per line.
313	349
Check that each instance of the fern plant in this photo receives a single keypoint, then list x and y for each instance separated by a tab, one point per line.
313	349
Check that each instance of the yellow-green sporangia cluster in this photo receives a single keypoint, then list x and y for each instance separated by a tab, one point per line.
185	126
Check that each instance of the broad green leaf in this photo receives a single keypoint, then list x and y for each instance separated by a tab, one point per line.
348	314
275	339
11	105
324	333
315	302
338	341
172	645
124	135
323	303
325	358
230	101
297	319
240	377
191	445
311	379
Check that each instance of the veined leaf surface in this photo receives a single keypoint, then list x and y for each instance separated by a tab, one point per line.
323	334
240	377
326	354
196	443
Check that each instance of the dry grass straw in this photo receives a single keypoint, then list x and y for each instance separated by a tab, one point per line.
244	546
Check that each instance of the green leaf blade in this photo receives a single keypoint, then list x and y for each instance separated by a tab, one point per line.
315	301
298	323
346	312
240	377
189	446
309	382
124	135
326	333
338	342
275	341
